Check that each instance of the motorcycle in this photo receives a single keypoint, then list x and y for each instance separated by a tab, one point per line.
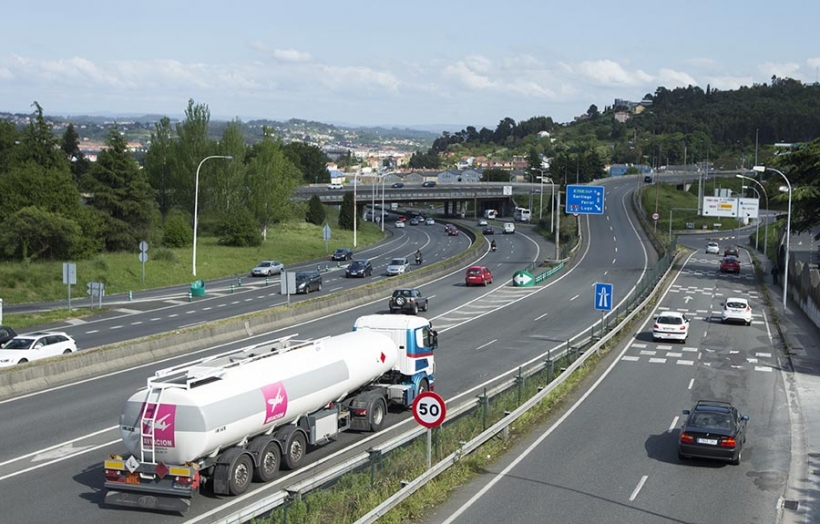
418	261
493	248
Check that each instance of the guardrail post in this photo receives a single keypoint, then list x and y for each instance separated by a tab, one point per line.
233	288
485	405
327	268
550	365
267	281
505	434
190	296
374	457
519	381
318	267
240	281
130	296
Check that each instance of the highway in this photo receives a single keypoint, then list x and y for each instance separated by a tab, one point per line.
60	437
612	456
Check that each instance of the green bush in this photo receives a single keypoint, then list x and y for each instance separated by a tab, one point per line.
316	211
239	229
165	255
177	231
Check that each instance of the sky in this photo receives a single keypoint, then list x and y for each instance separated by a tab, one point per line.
414	63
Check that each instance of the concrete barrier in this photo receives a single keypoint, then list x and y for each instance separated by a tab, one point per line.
93	362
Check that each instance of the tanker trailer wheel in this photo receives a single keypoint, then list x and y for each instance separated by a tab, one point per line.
377	414
268	462
295	446
241	474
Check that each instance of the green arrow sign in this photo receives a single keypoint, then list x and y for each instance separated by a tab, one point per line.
523	279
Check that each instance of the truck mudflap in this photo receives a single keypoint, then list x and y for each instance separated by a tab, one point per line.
151	501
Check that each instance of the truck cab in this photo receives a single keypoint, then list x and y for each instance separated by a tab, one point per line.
416	339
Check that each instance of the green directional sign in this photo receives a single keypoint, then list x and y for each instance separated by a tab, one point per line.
523	279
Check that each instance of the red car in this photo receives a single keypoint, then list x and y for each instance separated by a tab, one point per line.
730	265
479	276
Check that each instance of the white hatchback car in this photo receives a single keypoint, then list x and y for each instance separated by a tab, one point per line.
35	346
671	325
736	309
398	266
399	224
712	248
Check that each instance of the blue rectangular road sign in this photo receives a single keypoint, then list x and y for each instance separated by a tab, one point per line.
585	200
603	296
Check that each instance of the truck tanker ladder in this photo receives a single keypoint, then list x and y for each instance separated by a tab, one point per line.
207	369
148	419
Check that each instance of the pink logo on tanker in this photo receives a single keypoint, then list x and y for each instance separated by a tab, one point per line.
163	422
276	401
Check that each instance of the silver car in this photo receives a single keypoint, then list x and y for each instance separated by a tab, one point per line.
398	266
267	268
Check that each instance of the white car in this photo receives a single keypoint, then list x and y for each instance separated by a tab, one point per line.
671	325
398	266
509	228
399	224
712	248
482	222
430	222
35	346
736	309
267	268
335	186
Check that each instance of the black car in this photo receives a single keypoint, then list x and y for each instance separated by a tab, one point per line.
397	185
307	281
429	183
488	230
359	268
6	334
408	300
713	430
648	179
343	253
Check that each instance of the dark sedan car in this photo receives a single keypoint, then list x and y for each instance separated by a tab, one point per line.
343	253
397	185
359	268
731	251
6	334
307	281
713	430
488	230
429	183
408	300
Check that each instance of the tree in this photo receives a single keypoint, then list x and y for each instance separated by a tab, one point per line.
496	175
270	180
347	211
177	230
71	148
534	159
158	162
121	192
38	143
593	112
191	147
221	190
316	211
310	160
32	232
29	184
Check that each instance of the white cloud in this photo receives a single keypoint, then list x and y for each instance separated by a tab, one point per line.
607	72
784	70
462	73
354	78
813	63
671	78
290	55
726	83
707	64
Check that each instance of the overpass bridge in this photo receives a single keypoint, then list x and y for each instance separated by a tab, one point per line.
452	197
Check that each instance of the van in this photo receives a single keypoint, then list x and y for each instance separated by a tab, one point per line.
490	214
509	227
522	214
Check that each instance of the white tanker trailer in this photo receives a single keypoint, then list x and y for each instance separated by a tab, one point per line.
232	418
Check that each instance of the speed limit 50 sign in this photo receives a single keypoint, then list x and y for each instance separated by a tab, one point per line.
429	409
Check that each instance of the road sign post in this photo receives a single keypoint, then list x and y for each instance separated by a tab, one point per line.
429	410
143	257
326	236
69	278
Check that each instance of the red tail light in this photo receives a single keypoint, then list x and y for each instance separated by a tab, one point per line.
183	482
728	442
655	326
686	438
113	475
748	308
682	328
360	412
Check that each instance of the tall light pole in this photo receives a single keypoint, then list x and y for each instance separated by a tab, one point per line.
355	207
196	201
766	232
762	169
757	229
552	184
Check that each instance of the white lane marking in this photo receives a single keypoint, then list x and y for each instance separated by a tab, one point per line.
248	299
685	363
92	331
221	305
207	308
636	345
657	360
673	424
751	360
155	319
763	368
542	316
690	349
674	354
631	358
191	312
691	383
57	446
768	331
613	260
137	323
638	488
44	464
173	315
649	353
235	302
664	347
115	327
763	355
573	298
487	344
616	249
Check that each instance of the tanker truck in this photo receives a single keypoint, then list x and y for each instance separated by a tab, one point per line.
234	418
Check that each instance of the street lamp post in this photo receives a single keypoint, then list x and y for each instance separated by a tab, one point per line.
761	169
757	229
766	232
196	201
355	207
